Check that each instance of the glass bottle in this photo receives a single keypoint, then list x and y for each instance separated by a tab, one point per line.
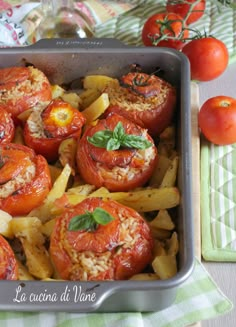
62	20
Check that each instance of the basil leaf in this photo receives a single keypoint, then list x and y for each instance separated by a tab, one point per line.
101	216
114	140
89	221
82	222
113	144
100	139
119	131
135	141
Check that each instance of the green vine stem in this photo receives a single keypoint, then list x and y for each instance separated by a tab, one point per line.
166	24
226	3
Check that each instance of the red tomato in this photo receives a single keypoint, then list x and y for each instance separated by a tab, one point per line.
103	253
7	128
208	58
193	10
165	30
8	264
21	88
147	100
24	178
217	120
122	169
44	131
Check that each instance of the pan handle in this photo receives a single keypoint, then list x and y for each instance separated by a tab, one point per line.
86	43
68	296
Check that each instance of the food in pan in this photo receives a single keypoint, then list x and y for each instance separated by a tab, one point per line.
24	179
125	199
47	127
100	240
7	127
117	154
146	99
22	88
8	263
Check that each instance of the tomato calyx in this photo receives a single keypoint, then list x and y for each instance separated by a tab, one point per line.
139	80
89	221
146	85
225	103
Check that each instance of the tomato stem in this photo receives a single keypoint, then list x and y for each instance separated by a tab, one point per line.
166	25
139	80
190	11
224	104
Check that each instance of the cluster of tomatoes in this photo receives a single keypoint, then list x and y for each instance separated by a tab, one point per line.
208	57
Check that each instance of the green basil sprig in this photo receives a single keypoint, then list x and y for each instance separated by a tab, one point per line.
89	221
114	140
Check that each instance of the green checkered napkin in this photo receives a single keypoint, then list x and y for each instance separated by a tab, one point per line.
218	203
197	299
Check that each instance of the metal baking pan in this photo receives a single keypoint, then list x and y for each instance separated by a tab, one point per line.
63	61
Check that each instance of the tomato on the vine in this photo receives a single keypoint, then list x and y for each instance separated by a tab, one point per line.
208	58
165	30
217	120
191	10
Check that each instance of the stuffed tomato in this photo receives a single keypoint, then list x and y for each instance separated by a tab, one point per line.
24	179
45	129
8	263
100	240
147	100
22	88
7	128
117	154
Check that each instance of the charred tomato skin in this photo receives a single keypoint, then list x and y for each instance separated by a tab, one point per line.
106	238
159	115
89	157
8	263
